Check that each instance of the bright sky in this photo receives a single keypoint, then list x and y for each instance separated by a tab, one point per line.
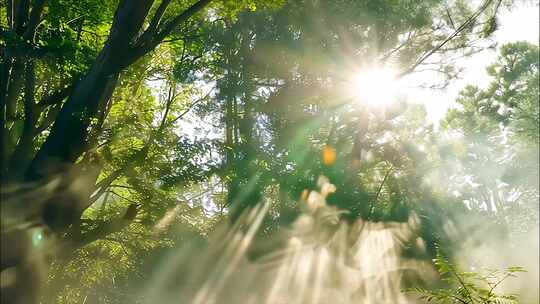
522	23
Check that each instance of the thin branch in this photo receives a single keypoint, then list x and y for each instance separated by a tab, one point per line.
183	38
121	186
497	284
193	104
48	120
372	204
450	18
151	31
211	188
149	42
102	186
123	197
104	143
56	97
458	31
393	51
114	225
382	183
461	282
158	15
170	26
459	299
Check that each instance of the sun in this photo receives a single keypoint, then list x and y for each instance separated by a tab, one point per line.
374	85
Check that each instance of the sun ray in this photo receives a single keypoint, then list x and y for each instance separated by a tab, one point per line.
374	86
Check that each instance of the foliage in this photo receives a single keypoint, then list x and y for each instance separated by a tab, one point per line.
497	132
466	286
234	106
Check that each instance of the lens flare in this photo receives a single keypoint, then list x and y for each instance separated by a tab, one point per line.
328	154
375	85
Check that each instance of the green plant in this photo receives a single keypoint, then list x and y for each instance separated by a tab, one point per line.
467	287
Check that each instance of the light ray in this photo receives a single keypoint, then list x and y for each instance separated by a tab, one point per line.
374	86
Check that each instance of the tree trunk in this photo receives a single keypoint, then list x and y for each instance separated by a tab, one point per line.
67	140
23	151
85	108
90	97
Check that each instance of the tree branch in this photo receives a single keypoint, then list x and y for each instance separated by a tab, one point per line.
107	228
193	104
458	31
21	14
171	25
150	42
55	97
33	21
371	207
104	184
23	151
48	120
154	23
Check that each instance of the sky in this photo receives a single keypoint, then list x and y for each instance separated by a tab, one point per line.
521	23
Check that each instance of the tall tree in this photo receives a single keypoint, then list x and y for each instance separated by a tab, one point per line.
496	129
75	85
61	63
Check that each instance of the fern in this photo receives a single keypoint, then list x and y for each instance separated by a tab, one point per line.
467	287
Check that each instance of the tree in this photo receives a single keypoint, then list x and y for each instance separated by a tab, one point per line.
88	99
300	102
61	63
498	138
77	104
